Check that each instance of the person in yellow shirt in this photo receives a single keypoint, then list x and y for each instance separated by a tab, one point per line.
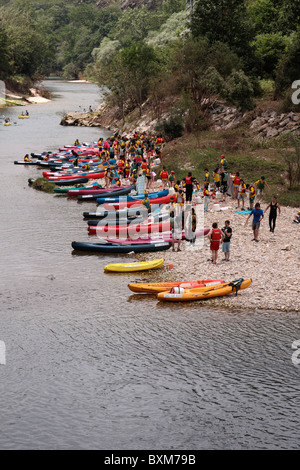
260	187
217	179
241	194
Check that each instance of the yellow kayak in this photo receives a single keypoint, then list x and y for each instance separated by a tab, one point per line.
156	287
7	124
180	294
128	267
23	117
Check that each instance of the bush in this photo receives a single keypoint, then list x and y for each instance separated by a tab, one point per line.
239	90
170	128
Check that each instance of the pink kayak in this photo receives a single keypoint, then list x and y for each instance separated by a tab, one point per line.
80	192
164	236
129	230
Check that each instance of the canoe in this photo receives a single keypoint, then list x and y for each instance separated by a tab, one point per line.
156	287
102	199
180	294
130	267
129	230
115	248
122	205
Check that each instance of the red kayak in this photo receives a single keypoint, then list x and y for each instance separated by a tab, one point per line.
76	175
130	230
123	204
164	236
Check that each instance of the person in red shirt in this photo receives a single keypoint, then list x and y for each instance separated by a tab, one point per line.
236	182
188	183
164	177
215	236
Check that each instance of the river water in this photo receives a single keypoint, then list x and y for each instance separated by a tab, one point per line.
89	365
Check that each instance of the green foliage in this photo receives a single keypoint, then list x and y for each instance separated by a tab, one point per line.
239	90
288	69
170	128
269	48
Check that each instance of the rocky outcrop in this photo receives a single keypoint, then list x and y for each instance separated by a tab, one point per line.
263	124
270	124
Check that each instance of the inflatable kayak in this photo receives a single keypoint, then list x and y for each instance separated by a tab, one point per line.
180	294
130	267
65	190
99	214
91	190
70	181
129	230
115	248
123	204
102	199
115	193
156	287
94	224
163	236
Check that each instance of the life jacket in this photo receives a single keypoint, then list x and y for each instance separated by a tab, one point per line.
164	174
261	184
188	180
207	177
251	191
205	192
216	235
236	180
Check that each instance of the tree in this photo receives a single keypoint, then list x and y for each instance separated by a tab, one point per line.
224	21
4	55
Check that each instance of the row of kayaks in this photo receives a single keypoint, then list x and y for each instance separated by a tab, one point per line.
189	291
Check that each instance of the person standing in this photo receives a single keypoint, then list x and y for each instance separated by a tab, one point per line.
227	230
273	206
258	215
188	184
215	236
194	225
260	186
241	194
206	196
236	182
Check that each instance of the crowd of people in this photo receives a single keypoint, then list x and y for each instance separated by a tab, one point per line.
128	158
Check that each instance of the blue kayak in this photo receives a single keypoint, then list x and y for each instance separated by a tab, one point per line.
118	248
102	200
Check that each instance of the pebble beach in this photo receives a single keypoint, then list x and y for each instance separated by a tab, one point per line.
273	263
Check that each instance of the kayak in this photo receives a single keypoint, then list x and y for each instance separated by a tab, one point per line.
70	181
92	175
7	124
129	230
28	162
122	191
23	117
180	294
163	236
129	267
65	190
94	224
116	248
127	212
102	199
123	204
94	190
156	287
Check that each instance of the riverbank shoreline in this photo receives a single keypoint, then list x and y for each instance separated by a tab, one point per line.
273	263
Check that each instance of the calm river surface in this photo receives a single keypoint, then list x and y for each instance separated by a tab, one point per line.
91	366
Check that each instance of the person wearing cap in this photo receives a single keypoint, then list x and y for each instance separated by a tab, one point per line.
223	164
172	179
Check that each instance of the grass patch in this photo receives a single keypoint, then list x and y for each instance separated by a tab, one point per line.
243	154
42	184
